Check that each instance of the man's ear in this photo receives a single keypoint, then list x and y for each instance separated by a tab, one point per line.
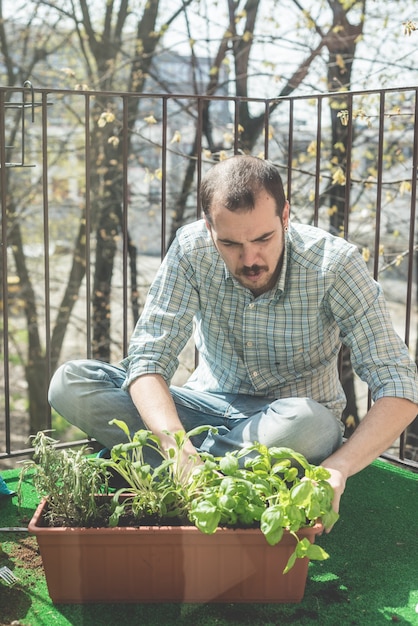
286	214
207	224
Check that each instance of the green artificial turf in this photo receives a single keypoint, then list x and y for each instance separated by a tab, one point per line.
371	576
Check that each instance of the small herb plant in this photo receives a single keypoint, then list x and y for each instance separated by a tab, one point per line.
270	488
70	479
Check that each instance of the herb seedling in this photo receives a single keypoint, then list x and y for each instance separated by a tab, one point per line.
70	479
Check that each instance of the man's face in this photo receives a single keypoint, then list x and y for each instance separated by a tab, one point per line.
250	242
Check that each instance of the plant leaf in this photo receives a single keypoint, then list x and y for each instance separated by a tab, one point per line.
228	464
301	493
290	563
316	552
206	517
201	429
122	425
271	524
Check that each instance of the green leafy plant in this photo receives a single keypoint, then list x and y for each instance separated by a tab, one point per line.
70	479
275	489
157	491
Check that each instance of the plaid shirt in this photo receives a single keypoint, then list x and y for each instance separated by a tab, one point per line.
285	343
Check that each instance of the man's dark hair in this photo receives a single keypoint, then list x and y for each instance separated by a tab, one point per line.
237	181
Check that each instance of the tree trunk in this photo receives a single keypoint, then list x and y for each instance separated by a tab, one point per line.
341	44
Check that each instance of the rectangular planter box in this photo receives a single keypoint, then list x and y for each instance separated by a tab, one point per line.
167	564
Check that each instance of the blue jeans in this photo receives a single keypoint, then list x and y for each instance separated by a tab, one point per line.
88	394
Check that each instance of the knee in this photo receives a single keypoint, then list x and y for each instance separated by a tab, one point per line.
61	380
308	427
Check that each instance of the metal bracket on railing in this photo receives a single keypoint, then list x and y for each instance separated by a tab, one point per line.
28	85
23	105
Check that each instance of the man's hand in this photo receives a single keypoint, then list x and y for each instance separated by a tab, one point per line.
384	422
337	481
186	460
187	465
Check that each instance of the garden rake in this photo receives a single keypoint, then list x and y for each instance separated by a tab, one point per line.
7	575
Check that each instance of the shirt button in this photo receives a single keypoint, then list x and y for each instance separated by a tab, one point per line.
255	374
249	344
251	305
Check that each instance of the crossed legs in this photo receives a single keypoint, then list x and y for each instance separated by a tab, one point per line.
88	394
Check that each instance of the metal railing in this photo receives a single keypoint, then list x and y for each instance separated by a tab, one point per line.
93	186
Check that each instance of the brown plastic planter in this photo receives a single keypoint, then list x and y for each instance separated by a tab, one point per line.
167	564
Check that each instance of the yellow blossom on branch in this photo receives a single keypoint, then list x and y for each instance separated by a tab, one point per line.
408	27
340	62
366	254
106	117
311	149
338	178
405	187
344	117
176	138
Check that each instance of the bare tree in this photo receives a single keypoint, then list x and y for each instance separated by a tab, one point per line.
33	51
102	50
102	46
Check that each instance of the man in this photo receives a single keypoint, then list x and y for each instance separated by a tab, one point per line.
269	303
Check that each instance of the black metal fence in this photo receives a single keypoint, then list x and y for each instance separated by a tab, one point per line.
93	186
